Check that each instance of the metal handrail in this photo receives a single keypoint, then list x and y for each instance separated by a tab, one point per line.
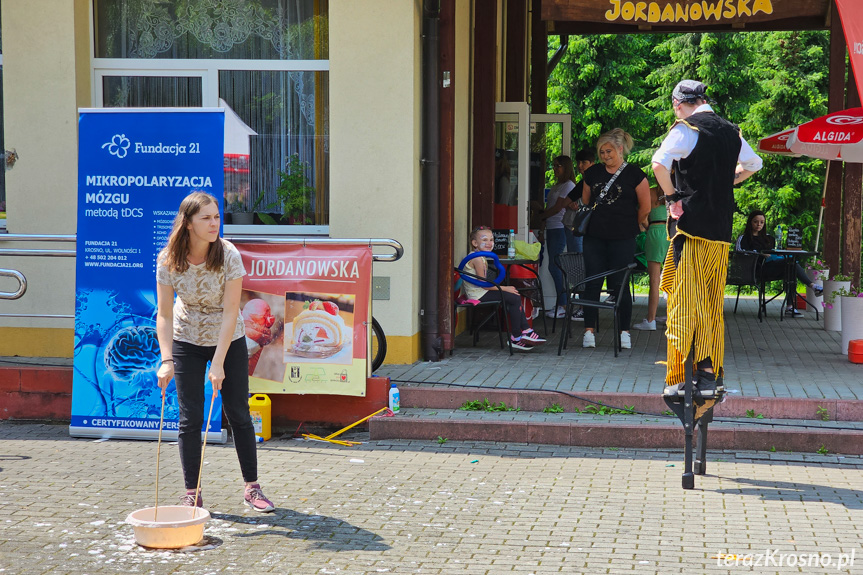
22	279
238	238
398	250
37	238
311	241
22	284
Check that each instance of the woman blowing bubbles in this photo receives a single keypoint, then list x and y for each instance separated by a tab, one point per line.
206	272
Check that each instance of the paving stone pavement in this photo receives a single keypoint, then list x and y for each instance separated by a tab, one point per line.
793	358
429	508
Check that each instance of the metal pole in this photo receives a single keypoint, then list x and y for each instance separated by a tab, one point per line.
431	340
821	212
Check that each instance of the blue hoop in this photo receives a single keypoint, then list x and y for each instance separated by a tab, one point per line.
501	271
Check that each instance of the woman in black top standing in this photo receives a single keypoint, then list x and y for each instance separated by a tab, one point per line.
621	193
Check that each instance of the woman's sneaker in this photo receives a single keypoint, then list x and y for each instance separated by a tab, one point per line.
559	313
625	340
645	325
517	343
532	338
791	312
578	315
589	339
188	500
256	499
818	290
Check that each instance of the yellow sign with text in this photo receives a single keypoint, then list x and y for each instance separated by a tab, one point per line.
676	12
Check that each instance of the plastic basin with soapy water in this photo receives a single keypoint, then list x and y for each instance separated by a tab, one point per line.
176	526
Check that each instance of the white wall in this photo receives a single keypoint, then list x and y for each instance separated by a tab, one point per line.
375	138
375	131
40	122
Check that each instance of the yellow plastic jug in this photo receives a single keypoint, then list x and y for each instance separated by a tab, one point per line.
260	408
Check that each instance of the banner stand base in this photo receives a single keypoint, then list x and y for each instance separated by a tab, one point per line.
148	434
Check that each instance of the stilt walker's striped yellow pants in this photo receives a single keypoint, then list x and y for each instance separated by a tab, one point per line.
696	291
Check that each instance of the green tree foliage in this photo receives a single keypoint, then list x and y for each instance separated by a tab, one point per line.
793	91
763	81
600	81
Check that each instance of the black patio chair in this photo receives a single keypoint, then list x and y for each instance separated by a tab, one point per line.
745	269
640	268
575	281
496	310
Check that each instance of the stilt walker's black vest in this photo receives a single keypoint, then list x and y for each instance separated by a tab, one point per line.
706	178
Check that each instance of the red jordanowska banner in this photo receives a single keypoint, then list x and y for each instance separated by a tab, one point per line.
851	14
307	310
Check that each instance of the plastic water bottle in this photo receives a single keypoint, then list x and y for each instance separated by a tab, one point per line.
510	250
394	398
778	235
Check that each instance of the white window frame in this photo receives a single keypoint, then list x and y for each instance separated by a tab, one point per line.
208	71
520	113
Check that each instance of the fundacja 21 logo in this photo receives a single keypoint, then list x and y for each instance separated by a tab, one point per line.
118	146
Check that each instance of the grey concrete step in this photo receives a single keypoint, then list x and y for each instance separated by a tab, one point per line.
802	436
453	396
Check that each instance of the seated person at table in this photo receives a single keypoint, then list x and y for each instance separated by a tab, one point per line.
521	334
756	239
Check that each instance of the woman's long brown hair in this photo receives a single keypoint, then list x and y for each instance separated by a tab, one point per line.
568	171
177	249
752	216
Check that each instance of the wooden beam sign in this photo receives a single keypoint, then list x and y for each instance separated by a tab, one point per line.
682	13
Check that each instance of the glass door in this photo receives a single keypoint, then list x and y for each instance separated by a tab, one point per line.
512	176
550	137
525	146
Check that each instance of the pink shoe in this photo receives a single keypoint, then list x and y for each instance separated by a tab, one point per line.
188	500
531	338
256	499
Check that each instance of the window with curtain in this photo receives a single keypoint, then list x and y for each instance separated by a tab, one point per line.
212	29
284	178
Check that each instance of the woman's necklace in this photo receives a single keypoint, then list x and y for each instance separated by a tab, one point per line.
605	196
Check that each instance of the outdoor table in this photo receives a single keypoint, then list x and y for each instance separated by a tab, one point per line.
789	283
520	262
529	265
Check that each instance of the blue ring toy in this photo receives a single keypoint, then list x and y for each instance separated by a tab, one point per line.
501	272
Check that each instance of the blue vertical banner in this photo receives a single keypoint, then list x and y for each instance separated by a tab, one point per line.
134	168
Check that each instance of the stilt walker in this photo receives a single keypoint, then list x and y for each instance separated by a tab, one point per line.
699	162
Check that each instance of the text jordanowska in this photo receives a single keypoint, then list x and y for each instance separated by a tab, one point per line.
655	12
313	268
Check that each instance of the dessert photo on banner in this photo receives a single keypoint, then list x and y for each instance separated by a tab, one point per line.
265	327
317	326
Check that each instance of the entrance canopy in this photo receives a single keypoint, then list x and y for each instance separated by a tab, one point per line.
627	17
624	16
